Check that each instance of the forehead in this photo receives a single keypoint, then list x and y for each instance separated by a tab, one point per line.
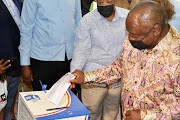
135	25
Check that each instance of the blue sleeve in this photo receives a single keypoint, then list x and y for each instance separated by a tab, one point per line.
26	30
82	46
77	15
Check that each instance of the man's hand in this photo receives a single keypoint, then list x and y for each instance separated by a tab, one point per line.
4	66
78	80
27	74
133	115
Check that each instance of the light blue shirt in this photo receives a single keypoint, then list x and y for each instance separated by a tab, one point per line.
99	42
48	29
175	22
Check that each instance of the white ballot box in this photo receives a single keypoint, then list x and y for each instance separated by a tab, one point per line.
34	106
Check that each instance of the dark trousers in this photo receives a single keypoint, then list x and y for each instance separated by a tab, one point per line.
49	72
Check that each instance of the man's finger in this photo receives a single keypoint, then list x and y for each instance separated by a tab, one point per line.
5	68
1	61
6	62
128	113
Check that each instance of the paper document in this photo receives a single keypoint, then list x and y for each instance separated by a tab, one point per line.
58	90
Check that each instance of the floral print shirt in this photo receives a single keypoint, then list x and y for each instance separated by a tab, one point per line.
150	78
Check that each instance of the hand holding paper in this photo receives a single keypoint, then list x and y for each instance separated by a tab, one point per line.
58	90
79	78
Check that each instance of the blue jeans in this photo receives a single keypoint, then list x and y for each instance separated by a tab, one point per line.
12	85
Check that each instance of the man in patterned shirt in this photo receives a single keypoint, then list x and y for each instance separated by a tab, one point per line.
148	67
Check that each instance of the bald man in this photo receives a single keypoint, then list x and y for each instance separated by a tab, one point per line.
97	32
148	67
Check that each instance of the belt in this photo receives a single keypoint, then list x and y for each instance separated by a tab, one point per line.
100	85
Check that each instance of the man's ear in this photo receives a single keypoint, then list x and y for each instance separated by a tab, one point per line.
157	30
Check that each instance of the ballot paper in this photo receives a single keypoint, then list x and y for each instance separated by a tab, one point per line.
57	91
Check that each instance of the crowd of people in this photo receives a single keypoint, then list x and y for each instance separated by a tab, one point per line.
125	54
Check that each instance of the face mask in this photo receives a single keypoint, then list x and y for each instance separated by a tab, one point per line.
139	45
106	11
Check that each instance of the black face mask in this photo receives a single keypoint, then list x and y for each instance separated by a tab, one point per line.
139	45
106	11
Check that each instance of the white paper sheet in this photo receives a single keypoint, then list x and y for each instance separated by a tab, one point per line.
58	90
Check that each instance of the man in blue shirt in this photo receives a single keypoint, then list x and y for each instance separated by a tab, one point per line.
47	39
99	41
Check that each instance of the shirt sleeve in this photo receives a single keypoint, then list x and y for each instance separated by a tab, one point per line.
27	23
169	107
108	75
82	46
78	14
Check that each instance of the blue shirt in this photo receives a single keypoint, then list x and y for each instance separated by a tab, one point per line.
175	21
99	42
48	29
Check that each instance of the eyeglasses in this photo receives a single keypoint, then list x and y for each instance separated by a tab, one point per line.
146	34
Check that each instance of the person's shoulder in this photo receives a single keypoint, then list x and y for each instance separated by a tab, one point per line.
175	35
173	41
122	11
89	16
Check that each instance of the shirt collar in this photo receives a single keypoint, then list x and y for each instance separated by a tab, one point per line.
118	15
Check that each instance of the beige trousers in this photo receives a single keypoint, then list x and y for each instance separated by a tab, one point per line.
102	102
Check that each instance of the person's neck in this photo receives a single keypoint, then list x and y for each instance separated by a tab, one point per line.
111	17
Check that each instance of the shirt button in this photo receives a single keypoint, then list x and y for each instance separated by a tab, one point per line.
135	81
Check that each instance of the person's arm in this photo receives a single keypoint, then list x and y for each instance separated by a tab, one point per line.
108	75
170	106
27	23
26	30
77	15
82	46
